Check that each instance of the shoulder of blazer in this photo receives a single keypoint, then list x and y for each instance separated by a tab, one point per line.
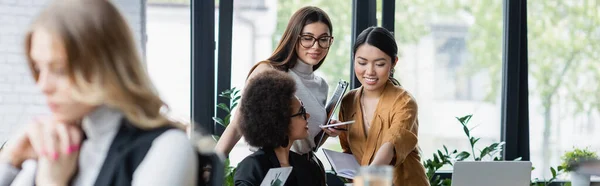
394	96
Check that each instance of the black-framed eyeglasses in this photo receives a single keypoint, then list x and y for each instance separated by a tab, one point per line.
301	112
308	41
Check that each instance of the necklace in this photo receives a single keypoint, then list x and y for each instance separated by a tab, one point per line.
362	106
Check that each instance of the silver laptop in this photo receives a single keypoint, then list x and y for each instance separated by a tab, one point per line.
491	173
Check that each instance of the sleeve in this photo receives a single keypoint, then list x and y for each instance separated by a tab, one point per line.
401	135
344	135
248	173
171	160
8	173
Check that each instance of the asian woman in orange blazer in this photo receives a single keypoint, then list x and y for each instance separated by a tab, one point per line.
385	131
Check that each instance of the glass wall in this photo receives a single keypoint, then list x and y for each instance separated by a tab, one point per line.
451	61
564	70
168	52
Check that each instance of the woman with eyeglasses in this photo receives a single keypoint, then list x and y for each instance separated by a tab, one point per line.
301	50
272	119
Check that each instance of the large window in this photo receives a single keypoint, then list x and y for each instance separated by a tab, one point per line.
451	60
564	70
168	52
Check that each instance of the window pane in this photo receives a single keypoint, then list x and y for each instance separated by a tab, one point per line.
451	60
564	70
255	39
168	52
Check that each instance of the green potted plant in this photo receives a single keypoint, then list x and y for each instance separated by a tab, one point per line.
447	157
233	95
577	155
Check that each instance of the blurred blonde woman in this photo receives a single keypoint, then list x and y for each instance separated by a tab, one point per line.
105	126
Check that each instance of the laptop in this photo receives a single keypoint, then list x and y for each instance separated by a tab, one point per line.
491	173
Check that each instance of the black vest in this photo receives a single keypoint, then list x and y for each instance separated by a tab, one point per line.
130	146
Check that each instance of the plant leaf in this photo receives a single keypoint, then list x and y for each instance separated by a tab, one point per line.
465	119
467	132
474	141
224	107
462	155
226	121
216	138
219	121
236	99
518	159
445	149
553	172
484	152
447	182
441	155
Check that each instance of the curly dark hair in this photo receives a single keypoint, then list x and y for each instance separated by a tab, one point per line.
265	109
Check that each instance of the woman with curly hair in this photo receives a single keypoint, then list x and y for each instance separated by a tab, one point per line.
272	119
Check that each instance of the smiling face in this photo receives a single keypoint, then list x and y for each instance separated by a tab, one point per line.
49	62
372	67
314	43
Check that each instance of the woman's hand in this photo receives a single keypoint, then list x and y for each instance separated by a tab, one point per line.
19	148
59	146
333	131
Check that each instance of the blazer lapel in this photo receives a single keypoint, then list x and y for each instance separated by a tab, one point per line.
357	133
123	137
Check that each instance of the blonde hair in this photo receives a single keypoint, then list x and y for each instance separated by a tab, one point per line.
103	62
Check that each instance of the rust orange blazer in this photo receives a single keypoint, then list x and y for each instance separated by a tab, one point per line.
394	121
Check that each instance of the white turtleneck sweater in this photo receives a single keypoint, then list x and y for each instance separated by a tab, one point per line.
170	161
312	90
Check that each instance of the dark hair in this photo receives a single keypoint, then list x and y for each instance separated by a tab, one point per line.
266	109
284	57
384	40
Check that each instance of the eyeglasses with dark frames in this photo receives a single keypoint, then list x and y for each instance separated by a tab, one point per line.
308	41
301	112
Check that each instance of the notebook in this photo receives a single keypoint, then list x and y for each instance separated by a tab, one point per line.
276	176
332	105
344	165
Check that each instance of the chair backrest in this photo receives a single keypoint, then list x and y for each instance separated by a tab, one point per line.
217	169
491	173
